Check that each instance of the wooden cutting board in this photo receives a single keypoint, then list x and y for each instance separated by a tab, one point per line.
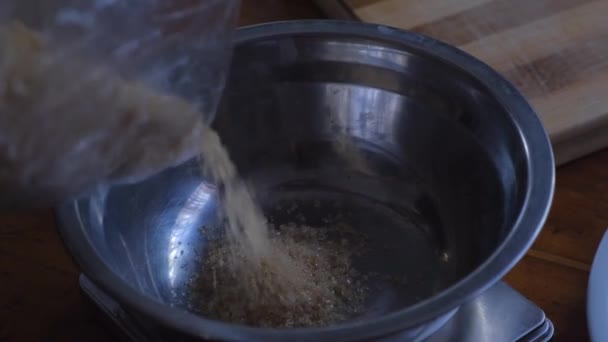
554	51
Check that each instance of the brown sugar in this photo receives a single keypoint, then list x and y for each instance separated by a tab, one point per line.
305	280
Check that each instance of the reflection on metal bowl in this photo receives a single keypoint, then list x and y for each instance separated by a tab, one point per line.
456	184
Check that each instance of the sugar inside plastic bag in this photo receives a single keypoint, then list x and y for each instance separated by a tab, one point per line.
104	91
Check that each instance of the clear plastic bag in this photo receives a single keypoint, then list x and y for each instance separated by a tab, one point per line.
105	91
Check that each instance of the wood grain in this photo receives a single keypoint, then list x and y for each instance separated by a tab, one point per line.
40	299
417	13
472	22
559	291
554	51
579	215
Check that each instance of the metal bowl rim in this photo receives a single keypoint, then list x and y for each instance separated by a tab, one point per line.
539	194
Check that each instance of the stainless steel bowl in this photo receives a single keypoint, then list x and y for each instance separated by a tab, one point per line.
457	182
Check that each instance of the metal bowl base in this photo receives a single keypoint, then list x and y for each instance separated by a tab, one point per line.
501	314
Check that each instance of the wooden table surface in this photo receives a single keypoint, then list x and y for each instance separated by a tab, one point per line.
40	298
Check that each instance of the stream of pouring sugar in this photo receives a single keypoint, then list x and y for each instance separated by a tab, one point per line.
247	227
246	222
290	277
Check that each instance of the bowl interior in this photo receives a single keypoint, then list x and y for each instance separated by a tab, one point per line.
405	148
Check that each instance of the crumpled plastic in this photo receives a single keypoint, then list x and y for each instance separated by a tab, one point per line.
103	92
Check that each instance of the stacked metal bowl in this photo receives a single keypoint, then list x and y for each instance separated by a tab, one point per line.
458	179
